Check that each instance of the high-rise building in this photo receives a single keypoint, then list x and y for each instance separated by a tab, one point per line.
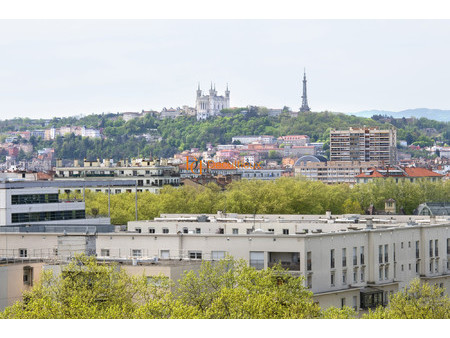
304	107
212	104
364	144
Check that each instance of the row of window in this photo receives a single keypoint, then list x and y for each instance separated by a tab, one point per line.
235	231
34	199
165	254
361	277
47	216
344	257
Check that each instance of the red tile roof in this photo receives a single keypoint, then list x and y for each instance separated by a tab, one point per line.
421	172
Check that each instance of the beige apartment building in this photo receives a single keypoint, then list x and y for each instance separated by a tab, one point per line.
364	144
332	172
348	260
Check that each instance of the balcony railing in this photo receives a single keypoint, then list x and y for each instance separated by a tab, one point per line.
286	265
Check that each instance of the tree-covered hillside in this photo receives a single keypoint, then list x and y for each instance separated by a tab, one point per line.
125	139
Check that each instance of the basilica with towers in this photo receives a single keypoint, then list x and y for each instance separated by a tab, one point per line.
212	104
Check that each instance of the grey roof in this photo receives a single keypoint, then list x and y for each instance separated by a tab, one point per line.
310	158
433	208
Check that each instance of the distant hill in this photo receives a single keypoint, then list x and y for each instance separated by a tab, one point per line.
432	114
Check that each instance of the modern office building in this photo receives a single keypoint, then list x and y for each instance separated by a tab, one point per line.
349	260
364	144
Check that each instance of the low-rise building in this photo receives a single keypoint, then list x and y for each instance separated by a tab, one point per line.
397	173
352	260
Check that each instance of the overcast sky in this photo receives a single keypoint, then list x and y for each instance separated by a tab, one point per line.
61	68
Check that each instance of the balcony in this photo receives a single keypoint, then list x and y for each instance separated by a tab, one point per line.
287	260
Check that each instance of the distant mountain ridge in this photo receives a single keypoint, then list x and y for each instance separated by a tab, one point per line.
432	114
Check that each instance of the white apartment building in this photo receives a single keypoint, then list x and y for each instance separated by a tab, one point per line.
345	259
147	175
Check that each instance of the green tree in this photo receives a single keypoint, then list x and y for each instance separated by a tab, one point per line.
417	301
84	289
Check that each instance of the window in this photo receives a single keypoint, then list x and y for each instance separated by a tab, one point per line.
332	279
165	254
285	231
23	253
402	267
117	191
308	261
417	267
355	303
151	230
362	256
185	230
409	244
136	253
386	256
417	250
309	281
363	277
380	273
395	260
344	257
198	230
104	252
217	255
195	255
342	302
448	246
380	254
271	230
165	230
235	231
401	245
332	258
436	266
344	277
27	275
138	230
257	260
436	248
431	248
386	272
355	275
355	256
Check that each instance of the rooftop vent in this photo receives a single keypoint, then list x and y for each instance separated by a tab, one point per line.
202	218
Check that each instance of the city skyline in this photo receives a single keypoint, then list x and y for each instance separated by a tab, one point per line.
62	68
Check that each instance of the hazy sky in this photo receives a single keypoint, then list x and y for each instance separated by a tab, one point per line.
60	68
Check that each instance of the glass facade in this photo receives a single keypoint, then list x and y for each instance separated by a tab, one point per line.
34	199
43	216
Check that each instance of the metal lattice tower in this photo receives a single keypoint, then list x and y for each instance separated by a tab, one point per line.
304	107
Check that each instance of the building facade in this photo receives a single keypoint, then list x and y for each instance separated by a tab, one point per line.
316	168
149	175
345	260
364	144
212	104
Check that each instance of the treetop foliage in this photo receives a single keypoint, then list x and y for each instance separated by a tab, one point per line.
227	289
286	195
